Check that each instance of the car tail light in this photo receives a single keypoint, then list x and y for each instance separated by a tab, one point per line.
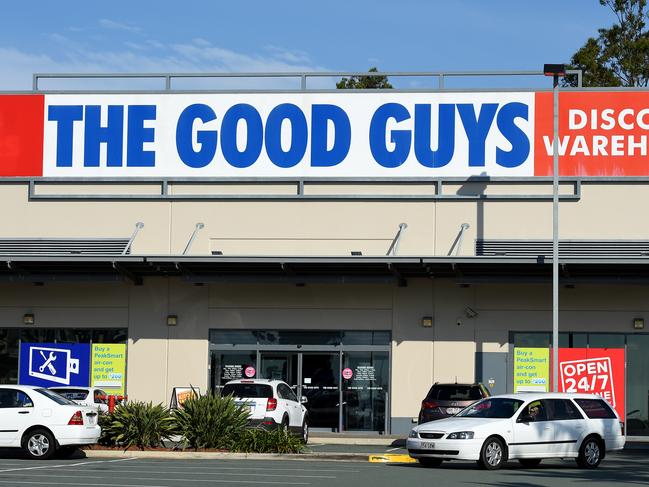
622	426
76	419
428	405
271	405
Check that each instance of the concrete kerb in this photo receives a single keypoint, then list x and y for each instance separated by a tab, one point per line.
357	440
193	455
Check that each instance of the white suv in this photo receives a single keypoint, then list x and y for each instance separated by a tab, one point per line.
528	427
272	404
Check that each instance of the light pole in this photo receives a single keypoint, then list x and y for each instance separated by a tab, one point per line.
556	71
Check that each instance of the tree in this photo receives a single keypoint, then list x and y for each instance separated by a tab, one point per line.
619	56
364	82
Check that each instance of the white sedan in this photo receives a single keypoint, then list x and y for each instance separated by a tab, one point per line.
41	422
528	427
84	396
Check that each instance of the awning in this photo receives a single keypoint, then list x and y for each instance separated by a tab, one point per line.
336	269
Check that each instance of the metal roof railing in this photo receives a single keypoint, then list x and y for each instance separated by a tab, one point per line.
303	77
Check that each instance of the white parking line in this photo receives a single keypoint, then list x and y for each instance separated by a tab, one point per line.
184	480
61	465
157	465
395	449
242	474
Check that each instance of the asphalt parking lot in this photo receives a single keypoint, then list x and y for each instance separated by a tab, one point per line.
625	468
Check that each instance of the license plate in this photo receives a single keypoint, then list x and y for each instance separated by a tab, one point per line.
452	410
92	419
427	445
246	407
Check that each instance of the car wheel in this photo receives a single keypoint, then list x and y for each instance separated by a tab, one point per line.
284	425
530	462
39	444
590	453
305	431
493	454
429	462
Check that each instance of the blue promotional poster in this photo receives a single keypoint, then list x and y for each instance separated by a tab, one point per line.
54	364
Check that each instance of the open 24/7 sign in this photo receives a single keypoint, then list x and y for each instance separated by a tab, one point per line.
594	371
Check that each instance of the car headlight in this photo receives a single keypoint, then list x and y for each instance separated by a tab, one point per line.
413	434
460	435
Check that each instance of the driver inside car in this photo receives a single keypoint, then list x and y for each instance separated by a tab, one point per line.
536	411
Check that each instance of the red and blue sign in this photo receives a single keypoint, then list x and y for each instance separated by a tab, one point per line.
328	135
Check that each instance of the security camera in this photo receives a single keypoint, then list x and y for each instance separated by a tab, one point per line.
470	312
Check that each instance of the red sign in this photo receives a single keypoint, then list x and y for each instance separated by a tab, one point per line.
249	371
347	373
594	371
600	134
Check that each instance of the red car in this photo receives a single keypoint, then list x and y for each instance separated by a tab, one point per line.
444	400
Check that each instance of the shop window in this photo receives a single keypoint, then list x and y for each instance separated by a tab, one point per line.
606	340
227	366
637	393
366	338
296	337
532	340
233	337
579	340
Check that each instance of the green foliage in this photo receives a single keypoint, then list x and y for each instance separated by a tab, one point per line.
103	420
258	440
619	56
139	424
210	421
364	82
205	422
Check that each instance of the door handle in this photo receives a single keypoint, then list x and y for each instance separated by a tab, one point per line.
23	412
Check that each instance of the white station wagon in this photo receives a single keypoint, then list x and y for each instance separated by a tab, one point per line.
527	427
41	422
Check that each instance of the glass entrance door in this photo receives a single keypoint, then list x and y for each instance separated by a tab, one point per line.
353	397
366	378
280	366
320	383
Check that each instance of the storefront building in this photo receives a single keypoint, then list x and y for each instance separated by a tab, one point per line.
250	234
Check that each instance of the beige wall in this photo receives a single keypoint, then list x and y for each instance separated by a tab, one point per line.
161	357
266	227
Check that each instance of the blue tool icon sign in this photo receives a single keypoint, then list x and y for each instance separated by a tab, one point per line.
47	364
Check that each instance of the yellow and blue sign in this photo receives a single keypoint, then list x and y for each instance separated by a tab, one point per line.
531	369
109	367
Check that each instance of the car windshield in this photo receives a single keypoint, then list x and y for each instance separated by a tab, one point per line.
454	392
57	398
72	394
500	408
248	390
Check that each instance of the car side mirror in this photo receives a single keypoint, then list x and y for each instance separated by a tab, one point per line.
304	400
526	418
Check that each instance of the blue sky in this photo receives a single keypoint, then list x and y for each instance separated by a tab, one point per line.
289	35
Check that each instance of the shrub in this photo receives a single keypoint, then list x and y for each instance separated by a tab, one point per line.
139	424
210	421
258	440
103	420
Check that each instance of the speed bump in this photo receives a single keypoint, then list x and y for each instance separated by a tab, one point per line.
391	458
